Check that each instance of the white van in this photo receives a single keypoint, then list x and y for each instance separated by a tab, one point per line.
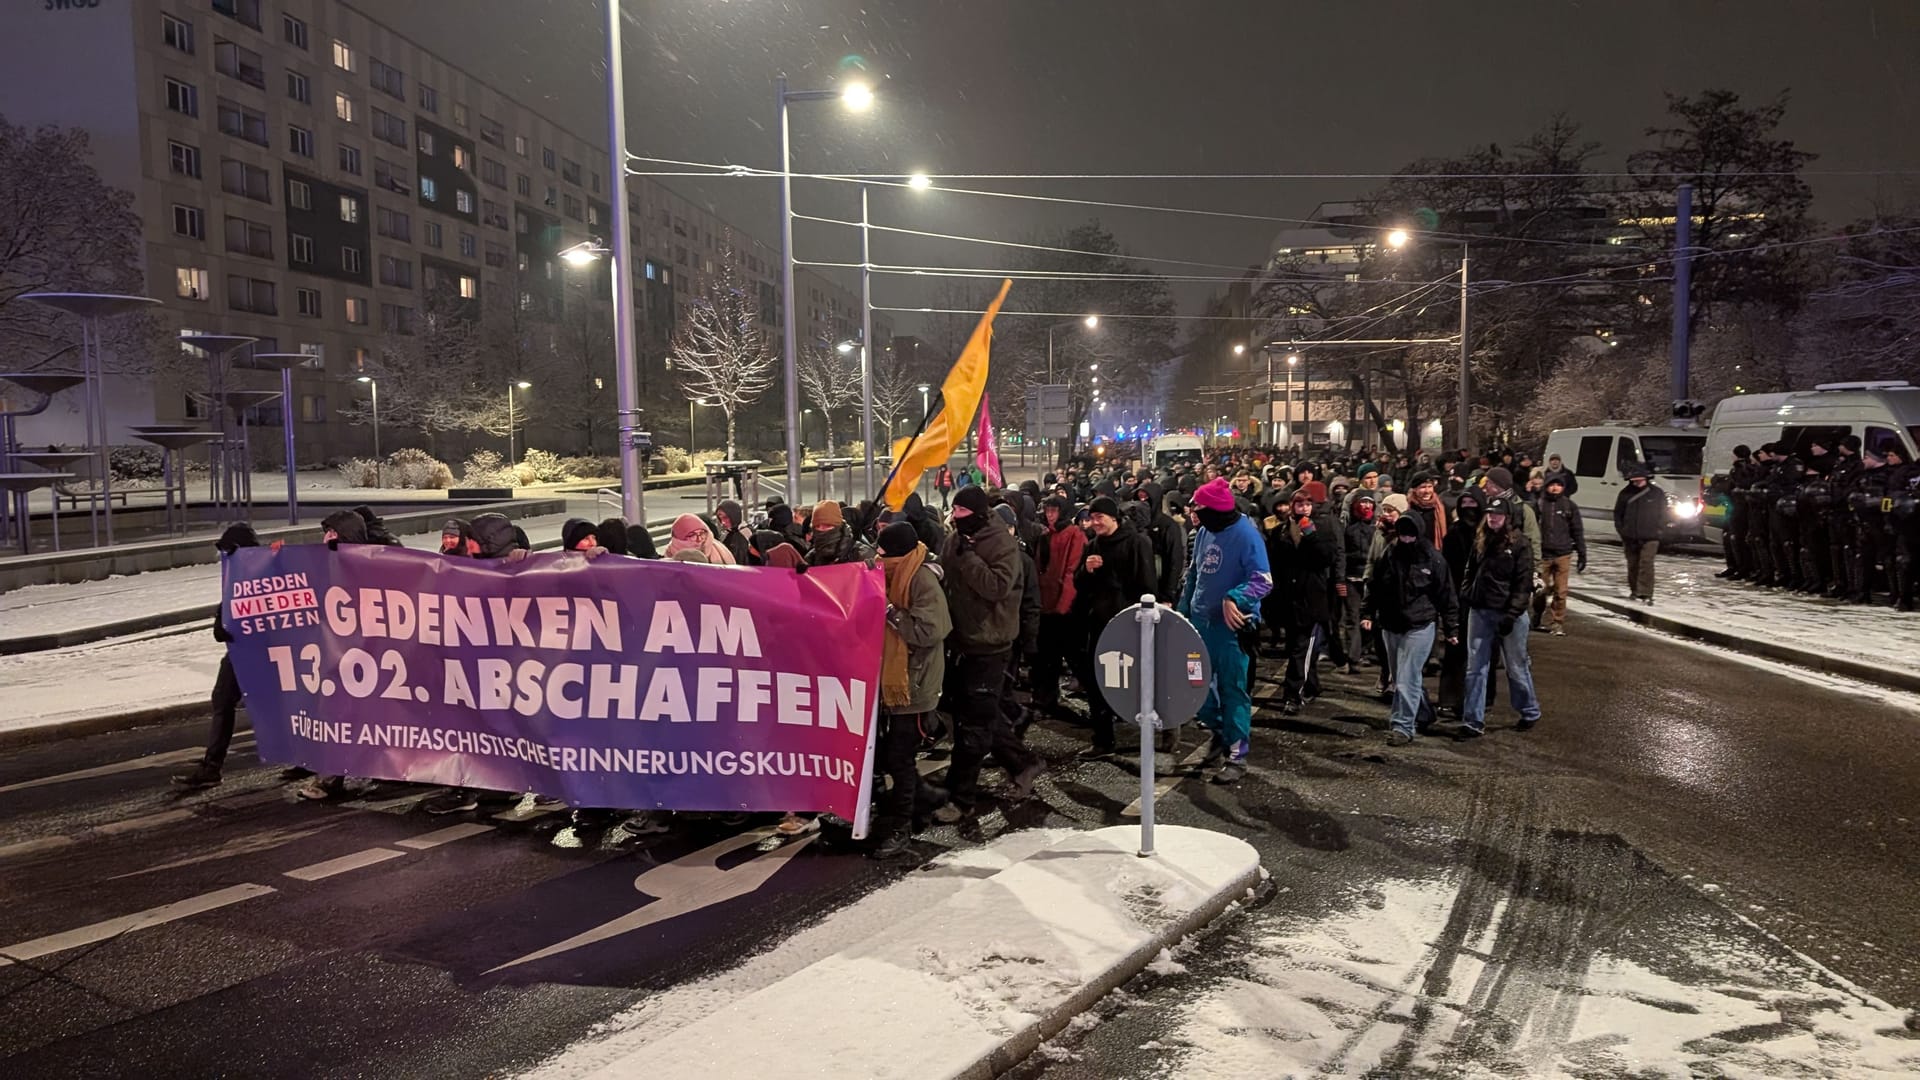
1882	414
1166	451
1600	457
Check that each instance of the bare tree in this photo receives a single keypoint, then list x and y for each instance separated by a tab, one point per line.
63	229
719	350
430	371
830	380
576	380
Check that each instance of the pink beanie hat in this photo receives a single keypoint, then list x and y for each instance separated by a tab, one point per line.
1214	495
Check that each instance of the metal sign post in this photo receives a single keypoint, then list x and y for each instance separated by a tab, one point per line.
1174	677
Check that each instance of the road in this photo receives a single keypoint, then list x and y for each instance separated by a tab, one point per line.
1671	794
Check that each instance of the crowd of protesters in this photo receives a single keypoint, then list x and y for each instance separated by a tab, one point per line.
1414	568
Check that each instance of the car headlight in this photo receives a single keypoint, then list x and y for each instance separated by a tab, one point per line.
1687	511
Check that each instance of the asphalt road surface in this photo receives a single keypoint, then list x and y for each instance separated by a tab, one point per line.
1671	796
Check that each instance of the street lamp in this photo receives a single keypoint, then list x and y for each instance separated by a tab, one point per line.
512	454
691	402
856	97
924	407
804	413
631	440
1293	360
373	386
583	253
1091	322
1399	238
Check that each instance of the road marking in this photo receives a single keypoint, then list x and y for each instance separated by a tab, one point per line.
29	847
145	821
407	800
140	920
344	864
686	884
249	844
1168	783
444	836
150	761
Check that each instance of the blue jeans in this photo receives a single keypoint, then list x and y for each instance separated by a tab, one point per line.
1407	656
1483	630
1228	711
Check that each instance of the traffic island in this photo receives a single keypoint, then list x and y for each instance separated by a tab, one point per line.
971	985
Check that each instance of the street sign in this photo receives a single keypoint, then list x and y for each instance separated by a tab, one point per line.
1182	673
1049	411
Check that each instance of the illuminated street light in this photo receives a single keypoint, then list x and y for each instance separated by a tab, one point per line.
1239	349
584	252
857	96
1397	238
920	181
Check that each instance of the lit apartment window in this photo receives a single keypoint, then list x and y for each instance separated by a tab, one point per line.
190	283
429	99
183	98
463	201
177	33
343	105
316	353
343	56
356	311
300	141
183	159
299	195
469	287
189	221
294	31
429	190
350	260
461	158
350	159
349	209
299	88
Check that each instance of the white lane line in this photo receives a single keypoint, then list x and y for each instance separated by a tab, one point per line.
444	836
344	864
150	761
29	847
145	821
140	920
1166	784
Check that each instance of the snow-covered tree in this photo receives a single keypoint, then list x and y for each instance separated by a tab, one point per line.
831	380
719	351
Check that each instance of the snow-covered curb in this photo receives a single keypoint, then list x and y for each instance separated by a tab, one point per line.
966	987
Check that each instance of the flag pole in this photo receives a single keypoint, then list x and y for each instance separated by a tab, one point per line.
925	419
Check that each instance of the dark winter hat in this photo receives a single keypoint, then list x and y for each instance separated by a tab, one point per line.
780	516
1407	525
1060	503
732	510
237	535
494	534
455	527
897	539
1556	481
1743	452
1427	477
347	525
612	534
764	541
367	515
1501	477
1851	444
1006	515
1104	505
576	530
1363	496
1639	470
1500	504
972	499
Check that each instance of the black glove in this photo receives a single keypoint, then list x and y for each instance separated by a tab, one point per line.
1506	626
1580	563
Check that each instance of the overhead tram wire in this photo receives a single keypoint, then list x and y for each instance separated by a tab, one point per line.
749	170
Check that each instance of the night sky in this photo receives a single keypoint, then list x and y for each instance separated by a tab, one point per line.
1201	86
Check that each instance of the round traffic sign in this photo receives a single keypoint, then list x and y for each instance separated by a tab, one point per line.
1181	671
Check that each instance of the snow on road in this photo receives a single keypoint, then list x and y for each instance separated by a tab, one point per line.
142	672
1410	979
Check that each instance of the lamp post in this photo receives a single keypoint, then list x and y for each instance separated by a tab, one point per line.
691	402
632	441
856	97
917	182
512	454
924	406
373	387
1091	322
1293	360
1399	238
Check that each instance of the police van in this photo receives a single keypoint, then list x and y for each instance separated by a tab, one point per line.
1601	456
1166	451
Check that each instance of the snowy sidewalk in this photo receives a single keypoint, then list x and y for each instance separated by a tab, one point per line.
966	983
51	616
1872	643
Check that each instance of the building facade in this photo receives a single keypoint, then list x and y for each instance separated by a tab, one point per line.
309	177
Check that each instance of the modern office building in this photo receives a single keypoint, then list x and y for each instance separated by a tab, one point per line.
308	177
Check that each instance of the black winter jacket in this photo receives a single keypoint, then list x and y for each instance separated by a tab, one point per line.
1357	543
1561	531
1639	513
1500	575
1304	573
986	583
1410	588
1125	573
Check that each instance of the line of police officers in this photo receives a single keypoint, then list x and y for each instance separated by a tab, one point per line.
1823	521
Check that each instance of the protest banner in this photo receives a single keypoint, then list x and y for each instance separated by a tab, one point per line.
606	682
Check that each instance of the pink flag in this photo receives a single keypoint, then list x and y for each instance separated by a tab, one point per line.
987	448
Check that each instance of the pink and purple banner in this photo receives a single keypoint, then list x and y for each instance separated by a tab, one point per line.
987	445
607	682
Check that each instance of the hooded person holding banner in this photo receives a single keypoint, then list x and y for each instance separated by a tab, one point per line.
912	668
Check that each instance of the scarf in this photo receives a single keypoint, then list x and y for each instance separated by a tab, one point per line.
896	684
1439	520
690	534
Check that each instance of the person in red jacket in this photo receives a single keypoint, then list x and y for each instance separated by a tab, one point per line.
1057	557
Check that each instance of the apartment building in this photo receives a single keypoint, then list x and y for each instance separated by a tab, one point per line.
308	177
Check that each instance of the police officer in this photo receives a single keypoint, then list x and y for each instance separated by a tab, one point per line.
1845	468
1815	499
1757	497
1733	538
1783	526
1872	526
1902	506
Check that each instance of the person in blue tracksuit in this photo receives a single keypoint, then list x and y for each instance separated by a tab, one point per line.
1226	579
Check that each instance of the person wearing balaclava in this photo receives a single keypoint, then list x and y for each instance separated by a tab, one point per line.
984	582
1410	596
226	685
1226	580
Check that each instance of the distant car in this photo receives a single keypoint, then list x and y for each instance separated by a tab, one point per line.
1166	451
1600	457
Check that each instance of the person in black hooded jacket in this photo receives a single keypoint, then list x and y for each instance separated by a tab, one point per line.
1410	596
1116	570
226	685
376	528
1168	538
1498	594
1305	553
